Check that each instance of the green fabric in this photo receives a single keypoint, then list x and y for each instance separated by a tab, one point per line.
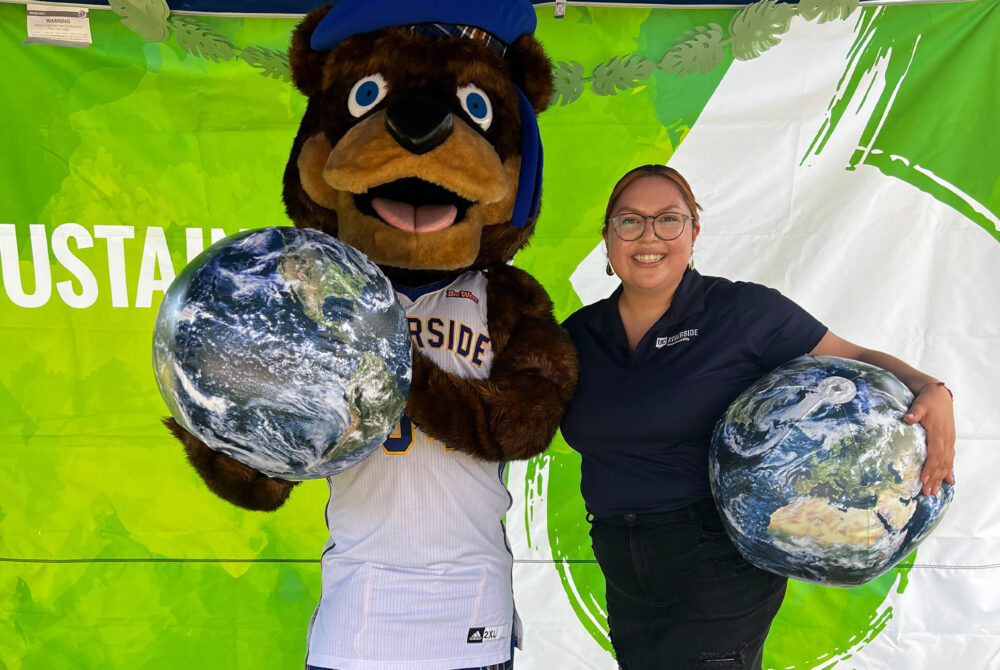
113	554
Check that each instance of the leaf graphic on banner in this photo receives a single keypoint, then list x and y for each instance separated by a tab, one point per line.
827	10
700	53
146	18
621	73
198	39
270	62
755	28
568	79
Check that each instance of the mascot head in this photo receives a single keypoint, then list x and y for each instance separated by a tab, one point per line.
419	145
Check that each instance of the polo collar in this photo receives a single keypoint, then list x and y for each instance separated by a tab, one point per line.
689	299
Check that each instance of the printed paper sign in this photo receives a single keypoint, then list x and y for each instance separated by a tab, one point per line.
63	26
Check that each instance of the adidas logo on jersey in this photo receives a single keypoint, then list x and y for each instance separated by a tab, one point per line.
490	634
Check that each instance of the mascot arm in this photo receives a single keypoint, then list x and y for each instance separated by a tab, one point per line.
514	413
228	478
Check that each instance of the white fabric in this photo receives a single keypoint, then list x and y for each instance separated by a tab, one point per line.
418	554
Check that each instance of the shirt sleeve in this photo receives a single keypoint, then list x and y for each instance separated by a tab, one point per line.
777	329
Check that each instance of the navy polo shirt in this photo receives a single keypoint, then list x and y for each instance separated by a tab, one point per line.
642	421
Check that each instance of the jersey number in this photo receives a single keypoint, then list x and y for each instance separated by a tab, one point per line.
400	439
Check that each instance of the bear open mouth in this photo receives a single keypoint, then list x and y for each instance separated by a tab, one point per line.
413	205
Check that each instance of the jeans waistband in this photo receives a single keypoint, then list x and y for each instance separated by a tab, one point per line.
692	513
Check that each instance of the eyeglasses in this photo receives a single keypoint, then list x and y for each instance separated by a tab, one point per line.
667	225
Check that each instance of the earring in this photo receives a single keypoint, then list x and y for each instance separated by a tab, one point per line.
610	270
691	260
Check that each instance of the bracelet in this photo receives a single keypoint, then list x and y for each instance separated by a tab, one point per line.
941	384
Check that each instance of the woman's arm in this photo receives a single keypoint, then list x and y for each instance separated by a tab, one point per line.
932	407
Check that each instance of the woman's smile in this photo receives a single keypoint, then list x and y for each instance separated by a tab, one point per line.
648	259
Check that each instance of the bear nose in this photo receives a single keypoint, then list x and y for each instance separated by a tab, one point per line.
419	124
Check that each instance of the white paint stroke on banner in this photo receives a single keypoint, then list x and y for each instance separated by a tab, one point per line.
553	637
884	264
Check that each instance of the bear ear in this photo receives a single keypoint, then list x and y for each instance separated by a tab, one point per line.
307	65
531	70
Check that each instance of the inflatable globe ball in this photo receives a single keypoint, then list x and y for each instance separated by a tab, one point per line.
284	349
816	475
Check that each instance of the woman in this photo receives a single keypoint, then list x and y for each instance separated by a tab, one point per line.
660	361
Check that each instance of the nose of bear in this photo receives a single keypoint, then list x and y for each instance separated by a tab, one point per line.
419	124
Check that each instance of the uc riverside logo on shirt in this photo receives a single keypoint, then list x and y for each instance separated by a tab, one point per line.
683	336
462	294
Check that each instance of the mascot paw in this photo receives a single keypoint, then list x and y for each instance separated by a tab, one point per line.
229	479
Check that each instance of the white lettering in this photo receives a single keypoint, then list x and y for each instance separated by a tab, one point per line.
683	336
60	249
195	240
155	257
11	263
494	633
82	284
116	236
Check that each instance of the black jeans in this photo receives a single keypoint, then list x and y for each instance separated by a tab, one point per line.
679	595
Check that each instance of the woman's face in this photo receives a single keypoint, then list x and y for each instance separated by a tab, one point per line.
650	263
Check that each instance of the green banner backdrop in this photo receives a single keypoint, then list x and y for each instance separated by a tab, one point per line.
125	159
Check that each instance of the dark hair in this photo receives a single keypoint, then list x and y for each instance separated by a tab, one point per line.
652	171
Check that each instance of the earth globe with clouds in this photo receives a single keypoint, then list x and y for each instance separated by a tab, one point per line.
285	349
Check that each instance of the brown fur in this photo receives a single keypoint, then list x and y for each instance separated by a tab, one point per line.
306	64
492	185
228	478
411	64
465	163
515	412
313	157
532	71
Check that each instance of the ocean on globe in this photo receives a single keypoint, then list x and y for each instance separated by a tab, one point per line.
285	349
817	476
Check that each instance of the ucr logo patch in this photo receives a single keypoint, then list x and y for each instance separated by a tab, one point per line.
451	293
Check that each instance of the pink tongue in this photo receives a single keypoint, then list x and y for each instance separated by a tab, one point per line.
422	219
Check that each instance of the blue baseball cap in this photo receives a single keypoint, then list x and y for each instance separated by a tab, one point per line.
507	19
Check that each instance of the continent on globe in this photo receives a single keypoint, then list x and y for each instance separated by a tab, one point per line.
817	476
285	349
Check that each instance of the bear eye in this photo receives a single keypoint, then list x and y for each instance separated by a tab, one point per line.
476	104
366	93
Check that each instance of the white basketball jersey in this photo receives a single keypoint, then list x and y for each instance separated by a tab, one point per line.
417	571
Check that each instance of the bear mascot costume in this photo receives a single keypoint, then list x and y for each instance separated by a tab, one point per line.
419	147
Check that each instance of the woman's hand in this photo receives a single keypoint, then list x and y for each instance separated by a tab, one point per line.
932	409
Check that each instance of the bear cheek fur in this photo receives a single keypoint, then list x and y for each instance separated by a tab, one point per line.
311	163
453	248
448	249
465	163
